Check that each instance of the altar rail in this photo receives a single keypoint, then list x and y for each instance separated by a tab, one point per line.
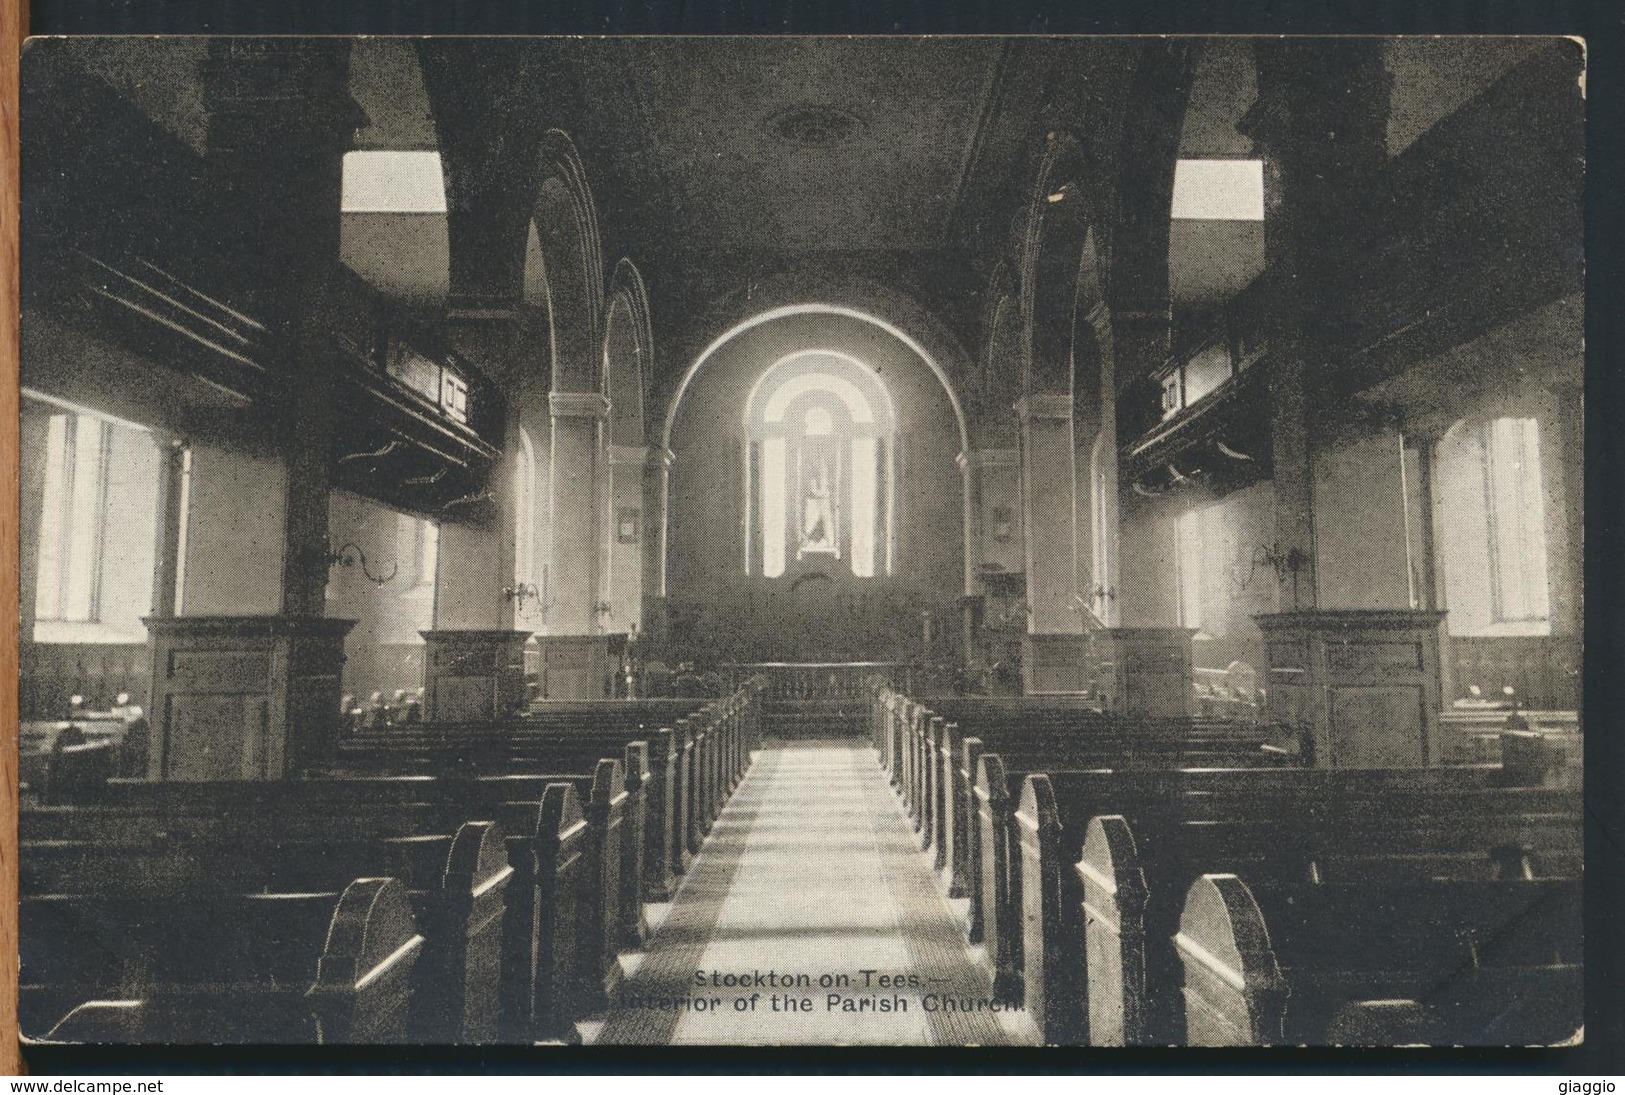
839	680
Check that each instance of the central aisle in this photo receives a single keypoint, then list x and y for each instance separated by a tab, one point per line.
811	876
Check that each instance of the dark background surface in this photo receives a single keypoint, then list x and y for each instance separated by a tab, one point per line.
1600	22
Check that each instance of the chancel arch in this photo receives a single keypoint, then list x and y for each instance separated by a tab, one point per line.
813	504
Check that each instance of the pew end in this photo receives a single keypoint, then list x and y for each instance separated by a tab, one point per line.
364	976
1117	1007
1234	993
1486	962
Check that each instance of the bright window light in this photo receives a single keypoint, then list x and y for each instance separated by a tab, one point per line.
393	182
1219	190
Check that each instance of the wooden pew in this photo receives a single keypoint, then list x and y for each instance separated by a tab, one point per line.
641	851
40	742
994	880
1137	865
1298	963
1056	809
550	961
929	752
457	884
266	968
698	771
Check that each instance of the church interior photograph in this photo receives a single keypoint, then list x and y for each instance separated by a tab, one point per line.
884	541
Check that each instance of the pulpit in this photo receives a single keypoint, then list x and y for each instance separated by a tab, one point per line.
580	667
1360	687
473	674
243	697
1143	671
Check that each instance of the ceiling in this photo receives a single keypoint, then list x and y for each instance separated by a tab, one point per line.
793	144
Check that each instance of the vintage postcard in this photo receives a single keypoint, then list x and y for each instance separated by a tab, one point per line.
893	541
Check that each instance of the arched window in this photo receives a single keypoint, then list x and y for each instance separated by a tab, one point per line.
819	476
1492	528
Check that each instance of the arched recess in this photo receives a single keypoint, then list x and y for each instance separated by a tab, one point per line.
719	589
1060	265
994	537
915	328
627	364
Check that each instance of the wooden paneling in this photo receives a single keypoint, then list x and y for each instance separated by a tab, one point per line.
246	697
52	672
1361	687
1543	671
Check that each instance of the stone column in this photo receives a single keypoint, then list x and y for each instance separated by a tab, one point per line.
623	578
257	696
1320	124
1354	666
576	651
280	121
1053	649
578	460
656	492
1094	422
475	558
1143	666
1140	532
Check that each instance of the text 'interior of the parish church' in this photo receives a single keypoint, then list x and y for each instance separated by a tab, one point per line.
952	541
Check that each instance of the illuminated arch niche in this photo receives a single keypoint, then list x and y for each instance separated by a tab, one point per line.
820	467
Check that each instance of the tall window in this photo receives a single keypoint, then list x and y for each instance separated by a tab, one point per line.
97	530
819	479
1492	518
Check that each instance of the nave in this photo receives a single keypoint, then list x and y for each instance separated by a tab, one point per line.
506	524
811	870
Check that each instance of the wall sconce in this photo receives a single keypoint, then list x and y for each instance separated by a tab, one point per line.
603	612
519	593
351	555
1284	563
